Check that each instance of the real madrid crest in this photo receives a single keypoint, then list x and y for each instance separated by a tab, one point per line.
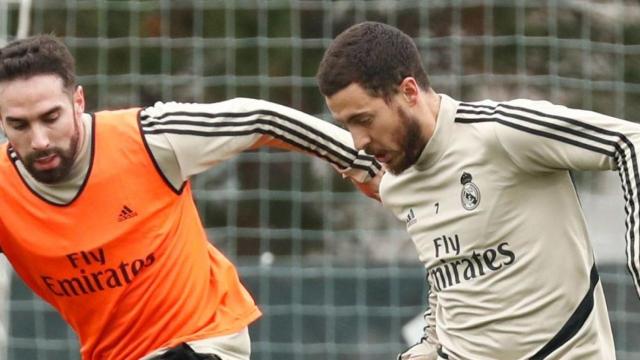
470	195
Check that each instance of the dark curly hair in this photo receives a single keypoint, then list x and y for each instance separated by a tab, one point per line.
376	56
37	55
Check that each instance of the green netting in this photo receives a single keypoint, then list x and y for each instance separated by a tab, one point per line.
335	275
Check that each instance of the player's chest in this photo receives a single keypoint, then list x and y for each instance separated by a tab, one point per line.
446	209
428	200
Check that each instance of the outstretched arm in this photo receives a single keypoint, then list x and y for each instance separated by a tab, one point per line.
187	139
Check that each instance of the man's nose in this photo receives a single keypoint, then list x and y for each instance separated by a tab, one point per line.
360	138
39	138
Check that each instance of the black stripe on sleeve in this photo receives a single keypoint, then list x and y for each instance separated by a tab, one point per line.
631	248
560	128
343	163
565	119
343	156
539	133
282	121
238	123
279	117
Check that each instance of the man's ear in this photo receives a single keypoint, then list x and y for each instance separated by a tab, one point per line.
409	90
78	101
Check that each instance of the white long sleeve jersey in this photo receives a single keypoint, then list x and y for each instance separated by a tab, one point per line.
495	218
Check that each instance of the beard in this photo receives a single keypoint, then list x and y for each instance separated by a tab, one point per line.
412	142
67	157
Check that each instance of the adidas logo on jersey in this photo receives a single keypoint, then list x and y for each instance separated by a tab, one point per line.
126	213
411	218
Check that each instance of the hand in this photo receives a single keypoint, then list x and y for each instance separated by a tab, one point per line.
420	351
371	188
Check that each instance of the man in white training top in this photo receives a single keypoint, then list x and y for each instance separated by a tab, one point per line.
487	197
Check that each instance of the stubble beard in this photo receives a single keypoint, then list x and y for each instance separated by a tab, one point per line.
412	142
67	157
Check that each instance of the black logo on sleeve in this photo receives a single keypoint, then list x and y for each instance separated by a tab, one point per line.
470	195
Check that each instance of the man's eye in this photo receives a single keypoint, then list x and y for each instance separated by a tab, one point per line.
51	118
364	121
19	126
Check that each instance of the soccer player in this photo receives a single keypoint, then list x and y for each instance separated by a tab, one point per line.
97	214
485	191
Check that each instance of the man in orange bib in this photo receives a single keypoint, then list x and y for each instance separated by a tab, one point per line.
97	214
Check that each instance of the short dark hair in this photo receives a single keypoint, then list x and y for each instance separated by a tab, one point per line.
376	56
37	55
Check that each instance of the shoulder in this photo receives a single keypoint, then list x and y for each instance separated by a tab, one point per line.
162	109
493	111
235	105
512	118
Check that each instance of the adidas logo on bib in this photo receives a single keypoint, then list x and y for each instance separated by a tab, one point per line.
126	213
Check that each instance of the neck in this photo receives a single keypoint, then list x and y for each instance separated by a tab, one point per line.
81	135
431	103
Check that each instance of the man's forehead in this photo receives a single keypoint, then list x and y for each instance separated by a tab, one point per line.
49	82
28	98
352	101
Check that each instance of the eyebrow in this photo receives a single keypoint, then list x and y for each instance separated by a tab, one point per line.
43	115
